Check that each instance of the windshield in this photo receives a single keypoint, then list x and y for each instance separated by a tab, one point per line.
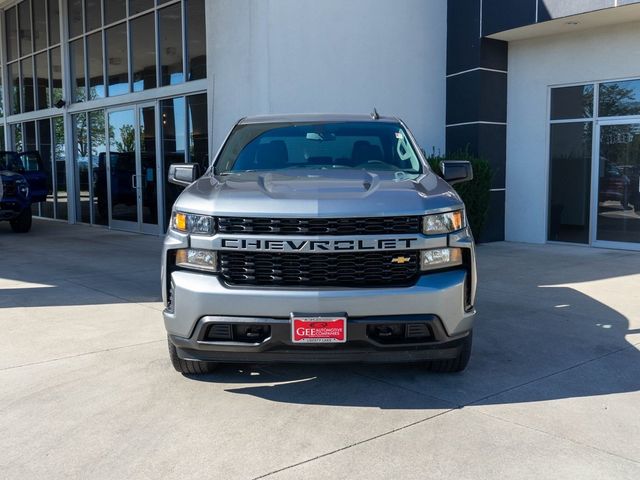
371	146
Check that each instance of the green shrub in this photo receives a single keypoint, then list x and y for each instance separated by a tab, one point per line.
475	193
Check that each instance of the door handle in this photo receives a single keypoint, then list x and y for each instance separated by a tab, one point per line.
134	181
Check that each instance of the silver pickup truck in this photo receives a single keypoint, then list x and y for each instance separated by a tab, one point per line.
319	238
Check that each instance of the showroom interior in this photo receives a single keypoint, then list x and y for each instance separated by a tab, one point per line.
100	92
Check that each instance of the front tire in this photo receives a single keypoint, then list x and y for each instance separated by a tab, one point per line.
188	367
457	364
22	223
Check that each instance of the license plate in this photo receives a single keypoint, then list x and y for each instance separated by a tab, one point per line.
318	329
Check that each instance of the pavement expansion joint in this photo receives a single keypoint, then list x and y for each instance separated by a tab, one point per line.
355	444
559	437
83	354
549	375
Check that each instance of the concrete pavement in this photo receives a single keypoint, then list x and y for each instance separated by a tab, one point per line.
87	390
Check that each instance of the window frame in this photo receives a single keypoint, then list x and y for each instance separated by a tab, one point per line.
31	56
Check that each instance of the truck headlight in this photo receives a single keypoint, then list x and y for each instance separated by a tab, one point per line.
23	188
205	260
192	223
439	258
443	222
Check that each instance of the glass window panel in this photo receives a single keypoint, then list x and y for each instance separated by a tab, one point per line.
196	40
54	22
117	59
16	134
143	52
76	55
93	14
47	208
570	181
2	146
27	84
60	157
618	183
198	130
116	10
39	24
56	75
95	66
75	18
42	81
170	30
81	157
160	2
148	177
14	87
24	20
137	6
29	136
11	22
1	96
173	141
122	165
572	102
619	98
100	201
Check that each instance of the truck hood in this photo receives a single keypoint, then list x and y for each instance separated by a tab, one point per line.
318	193
8	176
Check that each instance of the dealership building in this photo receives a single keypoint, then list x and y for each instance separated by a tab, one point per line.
111	92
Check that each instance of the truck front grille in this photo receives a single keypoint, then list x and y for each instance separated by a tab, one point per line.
356	269
320	226
10	189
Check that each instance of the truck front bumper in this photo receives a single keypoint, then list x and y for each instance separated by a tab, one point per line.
10	209
437	300
363	344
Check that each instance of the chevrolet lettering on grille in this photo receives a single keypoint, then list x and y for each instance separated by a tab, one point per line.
295	245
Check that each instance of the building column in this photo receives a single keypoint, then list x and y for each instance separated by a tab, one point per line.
477	101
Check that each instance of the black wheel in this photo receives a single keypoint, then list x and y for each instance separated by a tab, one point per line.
189	367
22	223
454	365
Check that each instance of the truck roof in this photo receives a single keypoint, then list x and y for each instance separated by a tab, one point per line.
314	117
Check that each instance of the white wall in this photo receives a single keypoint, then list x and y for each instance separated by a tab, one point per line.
601	54
335	56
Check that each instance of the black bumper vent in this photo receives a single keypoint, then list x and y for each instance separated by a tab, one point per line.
417	330
220	332
358	269
320	226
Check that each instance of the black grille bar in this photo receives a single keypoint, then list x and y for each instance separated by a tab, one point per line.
354	269
320	226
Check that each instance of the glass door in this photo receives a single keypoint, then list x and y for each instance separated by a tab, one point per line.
148	190
133	171
123	171
615	182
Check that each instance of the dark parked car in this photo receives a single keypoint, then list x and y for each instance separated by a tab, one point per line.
620	183
23	181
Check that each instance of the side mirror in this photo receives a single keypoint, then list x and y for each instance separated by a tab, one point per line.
184	174
456	171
